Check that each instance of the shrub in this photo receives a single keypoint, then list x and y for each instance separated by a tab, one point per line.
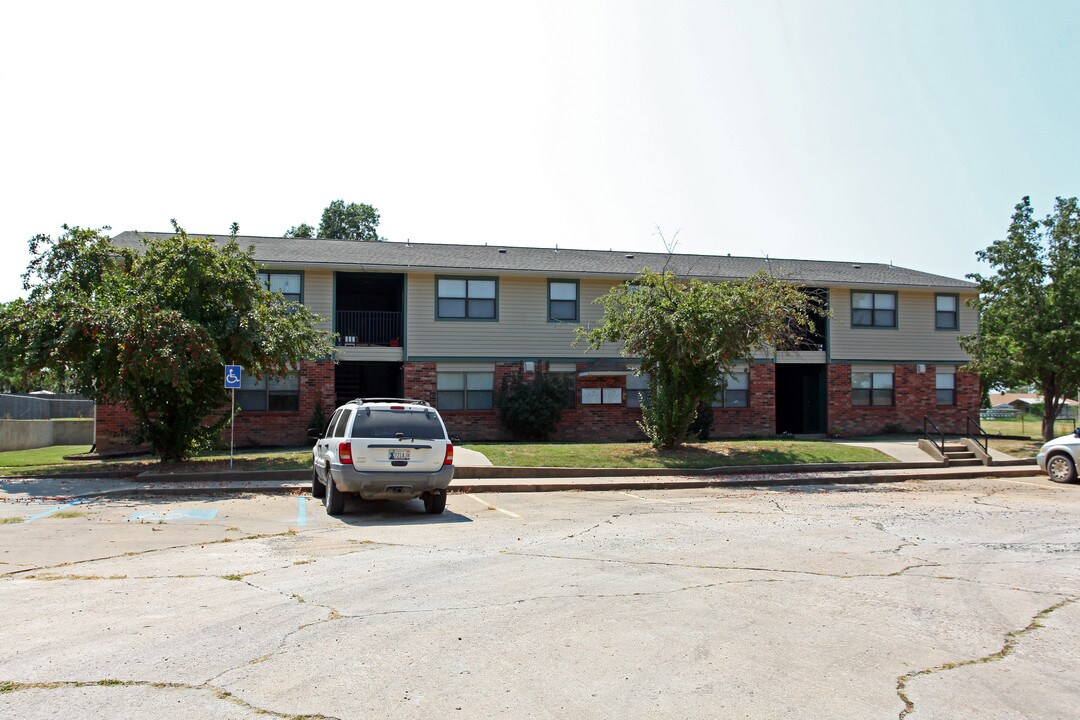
530	409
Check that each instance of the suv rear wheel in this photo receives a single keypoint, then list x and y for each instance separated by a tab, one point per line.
334	499
435	502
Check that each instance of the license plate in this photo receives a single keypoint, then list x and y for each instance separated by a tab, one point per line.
399	454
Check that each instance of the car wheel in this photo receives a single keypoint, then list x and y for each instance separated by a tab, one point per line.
1061	468
435	502
318	490
334	499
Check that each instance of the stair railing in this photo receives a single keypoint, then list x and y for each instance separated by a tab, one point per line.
927	424
974	431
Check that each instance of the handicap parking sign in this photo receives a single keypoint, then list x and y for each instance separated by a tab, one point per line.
232	377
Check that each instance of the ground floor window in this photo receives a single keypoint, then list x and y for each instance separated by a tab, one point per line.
568	372
871	388
465	390
282	394
946	388
737	392
637	391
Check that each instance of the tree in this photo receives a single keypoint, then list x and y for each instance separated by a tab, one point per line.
153	329
689	334
303	230
1029	309
355	221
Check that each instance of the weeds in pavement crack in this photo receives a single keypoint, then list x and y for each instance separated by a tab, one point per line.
1011	640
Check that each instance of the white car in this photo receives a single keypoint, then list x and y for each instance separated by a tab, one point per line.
1059	457
382	449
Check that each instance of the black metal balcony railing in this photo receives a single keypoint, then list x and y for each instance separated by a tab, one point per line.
368	327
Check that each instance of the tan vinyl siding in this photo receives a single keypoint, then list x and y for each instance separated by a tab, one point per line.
521	331
319	295
913	340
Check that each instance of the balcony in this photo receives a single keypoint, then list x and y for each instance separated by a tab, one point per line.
368	328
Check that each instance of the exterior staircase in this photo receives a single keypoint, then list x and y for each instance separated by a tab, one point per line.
968	451
960	456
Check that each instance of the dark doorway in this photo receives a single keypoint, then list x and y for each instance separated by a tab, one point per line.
800	399
367	379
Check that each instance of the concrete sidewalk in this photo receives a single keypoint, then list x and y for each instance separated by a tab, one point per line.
908	450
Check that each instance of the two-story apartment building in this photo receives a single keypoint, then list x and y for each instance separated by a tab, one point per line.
445	323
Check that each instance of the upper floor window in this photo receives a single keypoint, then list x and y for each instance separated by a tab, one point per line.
464	299
737	392
288	284
947	312
870	309
562	301
871	388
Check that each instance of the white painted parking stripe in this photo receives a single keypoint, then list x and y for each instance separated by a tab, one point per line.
301	511
1017	482
485	503
647	499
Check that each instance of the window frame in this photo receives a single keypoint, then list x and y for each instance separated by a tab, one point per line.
956	313
872	389
577	300
267	392
464	390
571	398
269	273
938	389
637	397
873	311
722	402
466	279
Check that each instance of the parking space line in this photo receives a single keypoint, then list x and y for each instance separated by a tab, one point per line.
301	511
1017	482
485	503
648	499
47	513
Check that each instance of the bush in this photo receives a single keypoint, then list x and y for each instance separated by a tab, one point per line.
530	410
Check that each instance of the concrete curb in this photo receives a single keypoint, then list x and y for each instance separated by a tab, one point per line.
524	485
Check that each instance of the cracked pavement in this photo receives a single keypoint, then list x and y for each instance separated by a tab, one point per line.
934	599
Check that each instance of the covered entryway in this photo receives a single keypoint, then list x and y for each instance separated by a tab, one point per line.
800	399
367	379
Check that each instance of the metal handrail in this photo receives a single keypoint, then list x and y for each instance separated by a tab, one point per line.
369	327
926	421
982	434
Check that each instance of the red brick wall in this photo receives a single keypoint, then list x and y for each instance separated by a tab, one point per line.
597	423
114	422
914	396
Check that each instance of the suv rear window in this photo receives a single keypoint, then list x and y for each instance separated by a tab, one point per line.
388	423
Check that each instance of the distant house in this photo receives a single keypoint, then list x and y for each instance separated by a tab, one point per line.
446	323
1023	402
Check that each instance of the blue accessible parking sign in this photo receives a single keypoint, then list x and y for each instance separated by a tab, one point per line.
232	377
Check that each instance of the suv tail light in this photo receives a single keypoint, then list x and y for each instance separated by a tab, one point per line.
448	459
345	453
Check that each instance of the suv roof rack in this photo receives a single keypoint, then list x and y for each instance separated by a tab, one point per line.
410	401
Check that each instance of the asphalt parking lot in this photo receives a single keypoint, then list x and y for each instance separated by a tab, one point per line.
935	599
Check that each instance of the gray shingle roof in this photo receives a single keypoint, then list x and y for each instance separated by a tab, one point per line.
505	259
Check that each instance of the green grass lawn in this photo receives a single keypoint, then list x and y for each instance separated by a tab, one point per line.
693	455
51	459
1025	426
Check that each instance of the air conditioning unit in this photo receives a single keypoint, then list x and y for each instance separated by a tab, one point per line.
921	369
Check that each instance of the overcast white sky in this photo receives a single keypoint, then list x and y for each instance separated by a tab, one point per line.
872	131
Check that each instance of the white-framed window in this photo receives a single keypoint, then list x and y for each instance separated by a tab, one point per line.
946	388
637	390
871	309
466	299
737	393
282	394
946	312
465	390
871	388
288	284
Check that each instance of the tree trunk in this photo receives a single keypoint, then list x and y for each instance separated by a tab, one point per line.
1051	402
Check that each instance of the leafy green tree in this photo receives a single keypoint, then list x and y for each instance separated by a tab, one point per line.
303	230
153	328
689	334
355	221
530	408
1029	309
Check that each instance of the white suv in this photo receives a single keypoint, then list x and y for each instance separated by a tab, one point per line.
382	449
1058	458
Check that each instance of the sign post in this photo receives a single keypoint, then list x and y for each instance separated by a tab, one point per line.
232	382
